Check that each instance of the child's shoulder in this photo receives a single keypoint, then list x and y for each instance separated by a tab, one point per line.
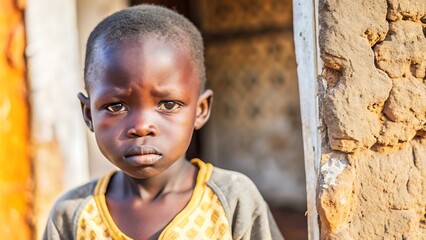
234	187
231	179
246	210
76	195
61	220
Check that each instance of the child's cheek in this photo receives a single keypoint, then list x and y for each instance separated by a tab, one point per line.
104	123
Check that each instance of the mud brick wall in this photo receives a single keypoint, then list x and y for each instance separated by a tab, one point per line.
373	107
255	125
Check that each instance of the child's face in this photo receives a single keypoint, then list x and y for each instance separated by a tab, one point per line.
144	103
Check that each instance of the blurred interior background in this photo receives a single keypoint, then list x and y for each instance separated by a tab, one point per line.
45	148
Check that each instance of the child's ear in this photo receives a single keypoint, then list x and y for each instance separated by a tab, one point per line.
85	107
203	108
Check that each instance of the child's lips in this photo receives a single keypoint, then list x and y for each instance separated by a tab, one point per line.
142	156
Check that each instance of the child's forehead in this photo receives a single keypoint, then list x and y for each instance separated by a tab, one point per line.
154	46
141	52
136	56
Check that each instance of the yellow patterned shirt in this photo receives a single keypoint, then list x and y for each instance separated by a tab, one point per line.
203	217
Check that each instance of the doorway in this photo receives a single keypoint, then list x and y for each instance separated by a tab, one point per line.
255	125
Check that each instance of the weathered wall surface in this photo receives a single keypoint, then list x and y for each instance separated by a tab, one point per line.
59	153
15	166
255	125
373	103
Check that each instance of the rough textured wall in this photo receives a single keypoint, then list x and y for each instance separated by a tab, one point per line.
255	125
15	166
373	102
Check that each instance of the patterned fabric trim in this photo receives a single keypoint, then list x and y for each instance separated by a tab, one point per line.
204	216
91	222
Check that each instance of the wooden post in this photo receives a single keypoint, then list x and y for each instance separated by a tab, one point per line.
308	63
57	134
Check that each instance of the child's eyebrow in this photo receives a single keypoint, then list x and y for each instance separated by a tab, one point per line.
114	92
166	92
121	90
161	93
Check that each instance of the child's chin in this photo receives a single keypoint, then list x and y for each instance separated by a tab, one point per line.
143	172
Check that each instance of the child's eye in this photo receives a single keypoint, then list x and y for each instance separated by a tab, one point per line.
169	106
116	107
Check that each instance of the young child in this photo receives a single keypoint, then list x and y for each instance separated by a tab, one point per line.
144	76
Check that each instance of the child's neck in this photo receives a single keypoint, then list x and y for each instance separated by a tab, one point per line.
180	177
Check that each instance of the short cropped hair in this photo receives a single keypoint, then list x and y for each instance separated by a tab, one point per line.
138	21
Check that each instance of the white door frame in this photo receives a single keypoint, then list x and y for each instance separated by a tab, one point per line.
305	28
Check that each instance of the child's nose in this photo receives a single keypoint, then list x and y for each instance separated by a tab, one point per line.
142	125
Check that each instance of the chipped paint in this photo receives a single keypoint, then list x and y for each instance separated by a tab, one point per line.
331	169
